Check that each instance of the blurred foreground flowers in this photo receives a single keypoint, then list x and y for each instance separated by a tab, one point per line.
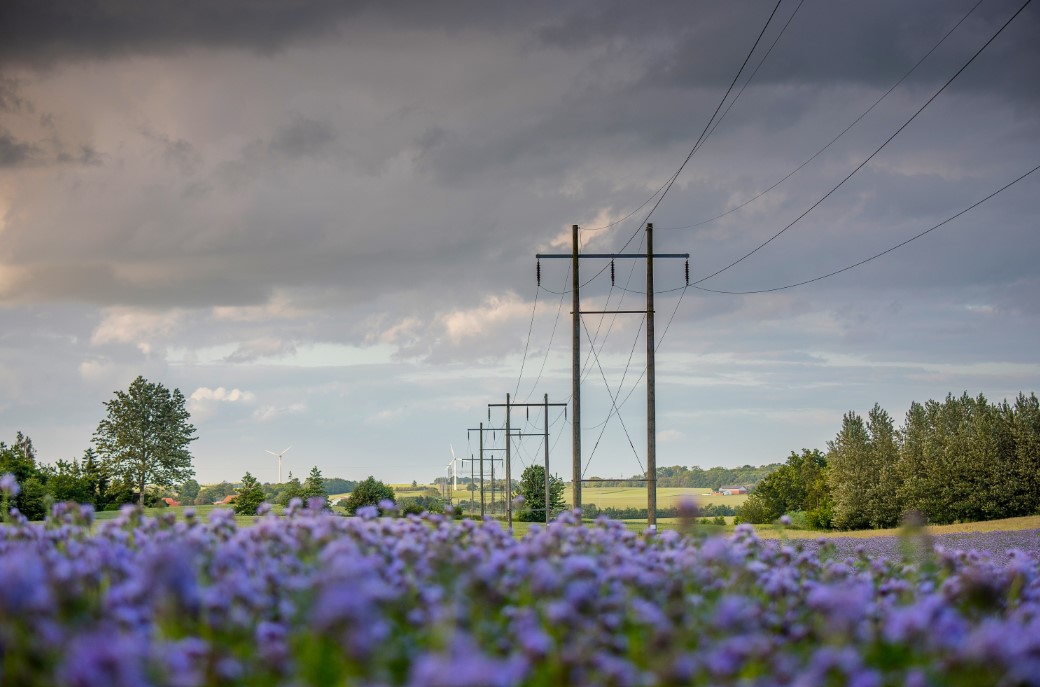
316	599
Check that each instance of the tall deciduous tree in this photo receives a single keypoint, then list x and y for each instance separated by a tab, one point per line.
532	488
146	434
848	473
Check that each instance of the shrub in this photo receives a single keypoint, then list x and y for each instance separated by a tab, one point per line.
369	493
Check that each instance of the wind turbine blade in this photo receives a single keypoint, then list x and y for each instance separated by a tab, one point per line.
273	454
453	458
286	450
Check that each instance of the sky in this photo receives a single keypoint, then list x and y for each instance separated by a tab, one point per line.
319	221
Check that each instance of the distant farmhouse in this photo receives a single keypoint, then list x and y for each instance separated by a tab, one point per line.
732	490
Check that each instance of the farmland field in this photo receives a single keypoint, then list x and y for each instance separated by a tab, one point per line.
314	599
632	497
667	497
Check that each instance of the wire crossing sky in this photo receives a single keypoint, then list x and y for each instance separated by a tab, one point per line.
318	220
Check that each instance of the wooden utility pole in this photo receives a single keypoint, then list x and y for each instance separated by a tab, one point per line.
509	473
546	441
651	419
575	371
482	469
651	395
509	405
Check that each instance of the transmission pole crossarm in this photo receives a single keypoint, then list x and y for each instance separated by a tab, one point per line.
519	405
613	312
613	256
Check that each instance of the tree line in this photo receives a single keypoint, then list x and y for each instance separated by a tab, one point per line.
695	477
960	460
139	453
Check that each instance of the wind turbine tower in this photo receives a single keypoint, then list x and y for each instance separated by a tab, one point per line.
279	456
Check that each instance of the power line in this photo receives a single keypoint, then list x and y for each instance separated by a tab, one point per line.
700	139
884	252
661	193
613	401
552	335
757	67
871	156
840	134
530	328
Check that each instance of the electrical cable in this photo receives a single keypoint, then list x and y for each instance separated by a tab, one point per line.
835	139
877	255
548	347
755	70
700	139
530	328
872	155
613	399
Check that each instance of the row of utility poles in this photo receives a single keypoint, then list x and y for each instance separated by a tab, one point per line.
509	434
576	312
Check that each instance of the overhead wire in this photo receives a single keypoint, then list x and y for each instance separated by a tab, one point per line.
882	253
704	133
613	400
869	157
700	139
762	61
840	134
527	344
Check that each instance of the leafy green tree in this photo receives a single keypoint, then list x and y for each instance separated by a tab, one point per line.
532	488
65	482
370	492
797	485
847	474
338	485
250	496
314	487
188	491
19	459
883	506
417	505
292	490
145	435
214	493
97	478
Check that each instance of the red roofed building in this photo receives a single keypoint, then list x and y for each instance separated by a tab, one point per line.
171	502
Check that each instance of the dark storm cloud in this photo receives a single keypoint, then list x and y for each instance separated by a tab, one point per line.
10	99
303	138
14	152
41	33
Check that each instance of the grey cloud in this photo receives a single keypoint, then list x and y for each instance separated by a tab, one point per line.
14	152
178	153
41	34
303	138
10	99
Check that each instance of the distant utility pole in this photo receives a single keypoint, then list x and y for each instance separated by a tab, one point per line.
576	313
545	437
481	429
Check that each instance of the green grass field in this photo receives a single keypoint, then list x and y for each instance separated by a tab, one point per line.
632	497
635	497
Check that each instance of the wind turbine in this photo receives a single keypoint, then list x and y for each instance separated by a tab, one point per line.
279	455
454	469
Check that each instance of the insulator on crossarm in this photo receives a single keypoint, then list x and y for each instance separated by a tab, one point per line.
687	272
538	272
611	272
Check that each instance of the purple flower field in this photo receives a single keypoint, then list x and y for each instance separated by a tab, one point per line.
311	598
